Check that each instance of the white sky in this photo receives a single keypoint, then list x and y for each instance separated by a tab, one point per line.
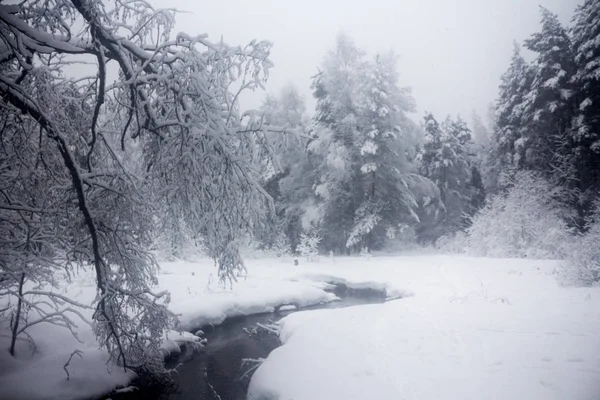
452	52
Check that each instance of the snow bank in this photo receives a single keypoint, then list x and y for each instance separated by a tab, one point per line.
196	296
38	373
474	329
41	375
199	299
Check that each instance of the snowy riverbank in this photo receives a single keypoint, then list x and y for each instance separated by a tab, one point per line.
475	329
198	299
465	328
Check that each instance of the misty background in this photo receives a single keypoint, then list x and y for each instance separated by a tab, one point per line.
451	53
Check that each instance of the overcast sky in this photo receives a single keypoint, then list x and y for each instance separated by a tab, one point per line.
452	53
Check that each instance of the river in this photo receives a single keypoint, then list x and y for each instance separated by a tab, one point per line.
218	371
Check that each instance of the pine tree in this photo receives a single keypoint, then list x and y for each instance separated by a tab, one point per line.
362	147
385	139
586	46
447	159
336	89
548	109
585	35
485	163
510	114
284	169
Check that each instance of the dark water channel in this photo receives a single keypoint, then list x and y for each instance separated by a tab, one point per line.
217	371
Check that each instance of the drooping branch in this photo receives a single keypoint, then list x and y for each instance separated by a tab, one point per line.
191	150
14	95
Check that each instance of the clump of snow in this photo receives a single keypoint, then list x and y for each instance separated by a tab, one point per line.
585	103
175	340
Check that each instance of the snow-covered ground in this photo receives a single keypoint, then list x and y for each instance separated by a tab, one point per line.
197	297
465	328
474	329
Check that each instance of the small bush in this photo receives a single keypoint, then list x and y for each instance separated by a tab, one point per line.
309	246
456	243
282	247
525	222
582	263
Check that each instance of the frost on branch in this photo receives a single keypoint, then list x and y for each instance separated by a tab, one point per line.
97	161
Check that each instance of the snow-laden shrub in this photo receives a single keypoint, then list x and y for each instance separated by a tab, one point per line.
455	243
582	263
309	246
526	221
282	246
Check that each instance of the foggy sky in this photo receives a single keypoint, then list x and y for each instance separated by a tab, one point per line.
452	53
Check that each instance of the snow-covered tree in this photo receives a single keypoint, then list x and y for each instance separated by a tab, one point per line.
481	133
168	130
386	143
544	145
446	158
309	245
510	118
34	231
545	116
284	167
585	34
335	129
363	144
484	149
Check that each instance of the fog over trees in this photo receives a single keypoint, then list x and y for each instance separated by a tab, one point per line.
123	143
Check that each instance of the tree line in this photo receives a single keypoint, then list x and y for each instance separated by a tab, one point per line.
363	173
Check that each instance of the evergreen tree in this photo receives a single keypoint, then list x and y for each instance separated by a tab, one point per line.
510	114
284	169
385	140
336	89
447	159
485	165
362	147
585	35
544	144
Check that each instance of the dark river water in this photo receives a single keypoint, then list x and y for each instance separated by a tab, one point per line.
218	371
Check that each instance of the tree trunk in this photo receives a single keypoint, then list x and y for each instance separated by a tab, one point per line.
370	238
15	324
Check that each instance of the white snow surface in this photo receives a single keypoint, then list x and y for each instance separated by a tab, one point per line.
200	299
464	328
474	329
41	375
197	297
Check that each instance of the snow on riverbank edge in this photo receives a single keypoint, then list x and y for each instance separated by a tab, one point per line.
196	298
475	328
